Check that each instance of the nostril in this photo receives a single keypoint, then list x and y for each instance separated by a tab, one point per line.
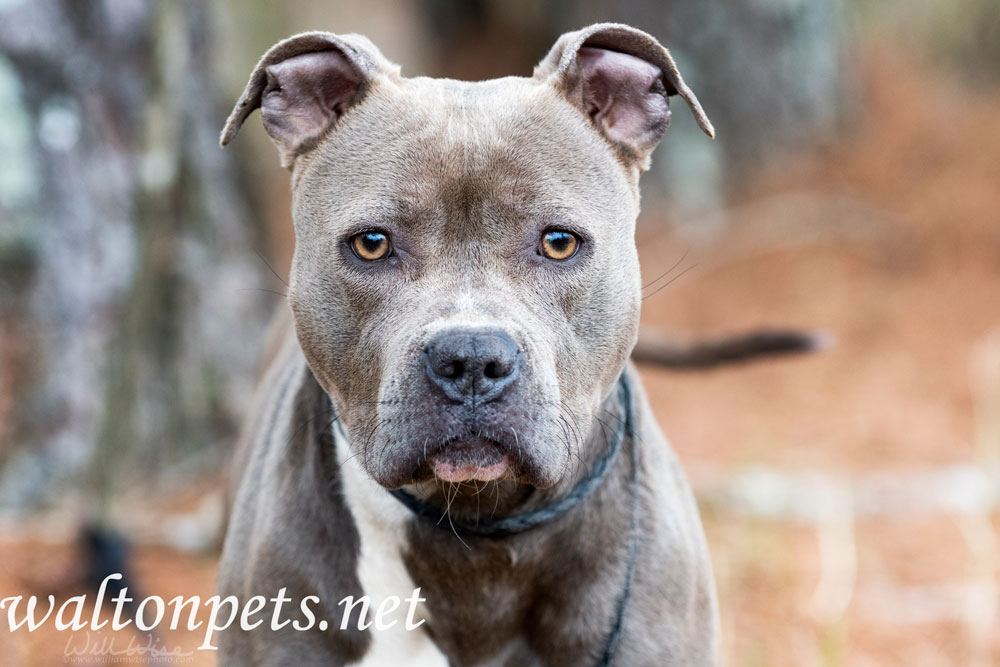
495	370
454	370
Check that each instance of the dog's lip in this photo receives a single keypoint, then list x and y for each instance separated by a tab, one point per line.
479	459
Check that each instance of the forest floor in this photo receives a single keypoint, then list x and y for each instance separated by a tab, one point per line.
849	497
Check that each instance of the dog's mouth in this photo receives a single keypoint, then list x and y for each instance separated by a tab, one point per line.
471	459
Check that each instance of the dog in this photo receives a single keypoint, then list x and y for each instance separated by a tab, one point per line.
451	415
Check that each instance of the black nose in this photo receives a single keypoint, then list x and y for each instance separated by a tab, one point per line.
477	364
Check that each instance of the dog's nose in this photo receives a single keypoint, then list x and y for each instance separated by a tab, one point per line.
477	364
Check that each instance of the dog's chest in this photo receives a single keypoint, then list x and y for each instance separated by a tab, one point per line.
380	522
474	611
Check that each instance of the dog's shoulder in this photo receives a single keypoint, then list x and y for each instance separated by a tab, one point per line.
289	527
674	572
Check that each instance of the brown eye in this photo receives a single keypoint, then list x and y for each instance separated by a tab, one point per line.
559	245
371	246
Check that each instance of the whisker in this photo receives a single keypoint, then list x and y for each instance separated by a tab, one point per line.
268	265
669	282
496	495
668	271
261	289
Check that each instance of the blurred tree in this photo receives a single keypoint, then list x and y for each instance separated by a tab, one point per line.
961	36
140	313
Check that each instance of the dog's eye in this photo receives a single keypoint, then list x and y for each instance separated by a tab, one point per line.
559	244
371	246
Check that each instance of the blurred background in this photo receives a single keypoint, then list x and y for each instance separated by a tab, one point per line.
850	497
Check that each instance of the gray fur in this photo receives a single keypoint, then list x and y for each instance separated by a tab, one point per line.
465	177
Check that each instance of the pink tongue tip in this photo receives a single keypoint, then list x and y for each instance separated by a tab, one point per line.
480	460
464	473
448	469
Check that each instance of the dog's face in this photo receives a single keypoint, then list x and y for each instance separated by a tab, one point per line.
465	283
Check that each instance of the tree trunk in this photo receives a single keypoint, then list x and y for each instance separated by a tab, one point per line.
143	311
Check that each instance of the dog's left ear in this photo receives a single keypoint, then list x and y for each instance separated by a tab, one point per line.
620	78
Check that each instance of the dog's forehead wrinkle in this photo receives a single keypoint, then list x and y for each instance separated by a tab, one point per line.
469	112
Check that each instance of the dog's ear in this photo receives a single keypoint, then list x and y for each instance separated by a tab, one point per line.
620	78
303	85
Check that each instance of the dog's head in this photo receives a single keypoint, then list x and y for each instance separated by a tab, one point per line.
465	284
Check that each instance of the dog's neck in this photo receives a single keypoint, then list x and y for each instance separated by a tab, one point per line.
400	550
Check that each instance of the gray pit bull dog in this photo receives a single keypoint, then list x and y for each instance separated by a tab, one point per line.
453	409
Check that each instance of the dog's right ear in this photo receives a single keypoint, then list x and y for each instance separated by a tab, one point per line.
303	85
